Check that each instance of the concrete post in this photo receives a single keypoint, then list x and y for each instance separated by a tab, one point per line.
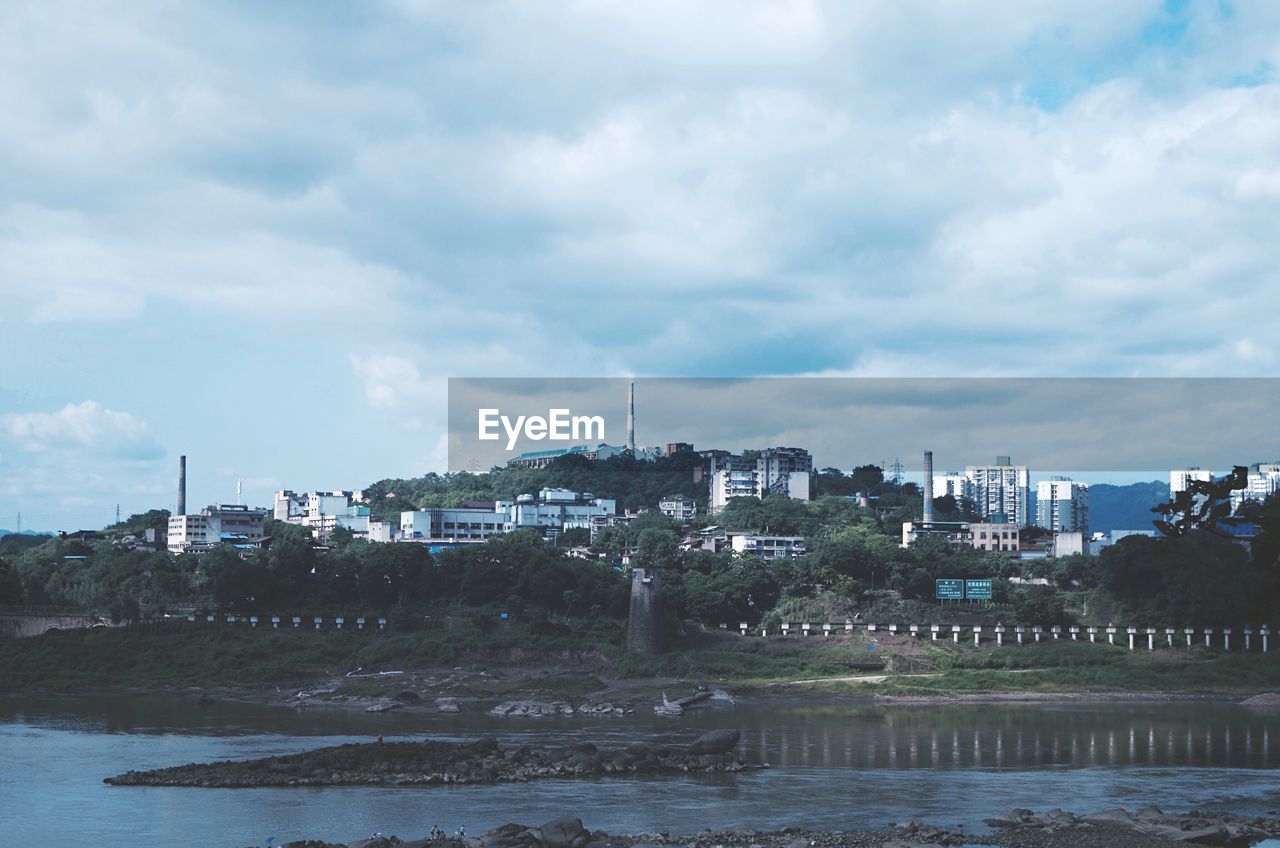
804	629
933	629
955	633
275	622
1189	631
1018	632
297	620
191	618
999	636
1111	635
786	628
209	618
976	631
1035	631
871	628
742	628
1093	634
1265	633
382	624
915	629
360	623
318	620
253	621
1226	638
1168	632
826	630
1151	638
231	619
340	621
1208	637
848	628
893	628
1248	638
764	633
1132	632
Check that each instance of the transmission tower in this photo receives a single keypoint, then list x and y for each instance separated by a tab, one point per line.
117	513
896	472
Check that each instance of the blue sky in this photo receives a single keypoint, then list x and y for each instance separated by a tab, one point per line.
264	235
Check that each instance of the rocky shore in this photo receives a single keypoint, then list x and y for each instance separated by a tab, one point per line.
1146	828
429	763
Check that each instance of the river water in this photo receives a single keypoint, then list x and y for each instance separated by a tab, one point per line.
839	767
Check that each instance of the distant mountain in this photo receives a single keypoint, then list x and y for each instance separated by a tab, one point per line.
1125	507
4	533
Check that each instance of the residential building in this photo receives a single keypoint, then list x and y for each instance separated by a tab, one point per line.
954	484
1000	489
782	471
1262	484
1062	505
230	523
678	508
674	448
765	546
1180	478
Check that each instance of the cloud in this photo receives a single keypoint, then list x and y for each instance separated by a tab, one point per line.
85	427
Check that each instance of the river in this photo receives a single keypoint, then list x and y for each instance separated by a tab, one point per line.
838	767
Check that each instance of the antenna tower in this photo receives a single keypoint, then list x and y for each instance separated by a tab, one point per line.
896	472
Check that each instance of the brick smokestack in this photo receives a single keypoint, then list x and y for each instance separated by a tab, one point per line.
182	485
928	487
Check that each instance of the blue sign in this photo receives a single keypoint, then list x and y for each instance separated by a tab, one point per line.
978	590
948	589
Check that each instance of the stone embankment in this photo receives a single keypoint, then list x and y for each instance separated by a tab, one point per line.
431	763
1146	828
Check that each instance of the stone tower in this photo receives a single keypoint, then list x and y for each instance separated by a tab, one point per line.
644	623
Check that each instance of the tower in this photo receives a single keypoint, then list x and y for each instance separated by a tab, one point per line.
631	416
182	485
928	487
644	620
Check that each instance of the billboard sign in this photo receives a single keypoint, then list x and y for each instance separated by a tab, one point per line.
948	590
978	590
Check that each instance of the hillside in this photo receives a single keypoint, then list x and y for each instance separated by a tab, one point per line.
1124	507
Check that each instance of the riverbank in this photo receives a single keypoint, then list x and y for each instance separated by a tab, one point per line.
413	670
1149	827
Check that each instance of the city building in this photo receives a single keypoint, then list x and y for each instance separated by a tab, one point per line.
1001	537
229	523
765	546
543	458
954	484
322	512
1262	484
678	508
452	524
554	510
1001	489
781	471
1062	505
674	448
1067	543
1180	478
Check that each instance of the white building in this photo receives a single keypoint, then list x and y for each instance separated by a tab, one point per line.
678	508
322	512
954	484
453	524
767	547
1261	485
230	523
1068	543
554	510
1000	489
1062	505
1180	478
781	471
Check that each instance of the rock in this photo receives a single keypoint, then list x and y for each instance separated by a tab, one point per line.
448	705
532	708
408	696
385	707
716	742
563	832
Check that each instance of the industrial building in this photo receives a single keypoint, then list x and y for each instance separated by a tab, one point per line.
322	512
229	523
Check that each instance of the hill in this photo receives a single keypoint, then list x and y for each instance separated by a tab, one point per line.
1124	507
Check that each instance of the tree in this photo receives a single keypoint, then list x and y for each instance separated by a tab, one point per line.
1204	504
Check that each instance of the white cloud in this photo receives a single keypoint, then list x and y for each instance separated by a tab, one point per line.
85	427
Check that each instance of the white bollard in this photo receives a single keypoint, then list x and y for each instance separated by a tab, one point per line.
1093	634
914	629
1248	638
1111	635
1190	632
826	630
1132	632
1035	632
999	636
786	628
742	628
1265	633
1018	632
360	623
340	621
1151	638
317	621
275	622
297	620
1208	637
382	624
976	631
1168	632
955	633
933	629
253	621
1226	639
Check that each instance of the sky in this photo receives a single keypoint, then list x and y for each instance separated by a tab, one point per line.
264	235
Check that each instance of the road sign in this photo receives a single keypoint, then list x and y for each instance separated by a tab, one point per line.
948	590
977	590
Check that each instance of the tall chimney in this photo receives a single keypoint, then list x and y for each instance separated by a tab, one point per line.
182	485
928	487
631	417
